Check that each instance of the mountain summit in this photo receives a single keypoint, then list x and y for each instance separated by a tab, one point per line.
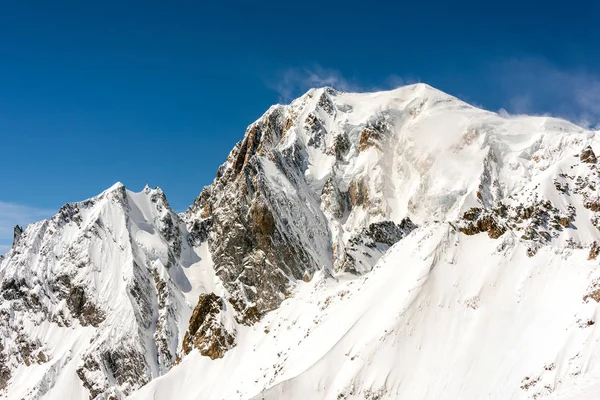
398	244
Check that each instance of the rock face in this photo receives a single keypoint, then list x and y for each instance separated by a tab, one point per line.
312	209
260	237
588	155
18	231
208	331
366	247
478	222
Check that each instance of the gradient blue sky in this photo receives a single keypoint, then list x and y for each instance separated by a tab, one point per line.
158	92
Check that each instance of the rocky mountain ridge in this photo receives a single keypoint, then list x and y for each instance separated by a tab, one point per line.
324	196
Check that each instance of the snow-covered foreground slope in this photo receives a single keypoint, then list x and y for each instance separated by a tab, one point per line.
442	316
398	244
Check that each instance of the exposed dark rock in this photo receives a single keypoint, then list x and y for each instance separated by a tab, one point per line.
30	351
78	302
18	231
306	277
263	133
124	365
479	222
4	369
592	204
206	331
593	292
314	126
202	204
538	222
325	103
594	251
369	137
17	289
262	223
165	356
372	242
341	146
13	289
83	308
254	253
588	156
139	290
199	231
67	214
89	367
359	193
287	125
389	233
169	229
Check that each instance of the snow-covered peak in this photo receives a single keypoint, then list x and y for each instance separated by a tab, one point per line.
429	249
97	298
422	153
356	240
115	186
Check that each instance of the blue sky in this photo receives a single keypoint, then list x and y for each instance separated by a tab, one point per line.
158	92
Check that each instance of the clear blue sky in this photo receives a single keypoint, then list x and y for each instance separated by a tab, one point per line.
158	92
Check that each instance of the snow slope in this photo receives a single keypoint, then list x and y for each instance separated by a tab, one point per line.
442	316
398	244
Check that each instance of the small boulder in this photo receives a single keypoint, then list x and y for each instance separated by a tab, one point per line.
588	156
594	251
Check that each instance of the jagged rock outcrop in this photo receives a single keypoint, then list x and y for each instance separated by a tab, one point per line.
18	231
209	331
366	247
78	302
594	250
479	221
588	156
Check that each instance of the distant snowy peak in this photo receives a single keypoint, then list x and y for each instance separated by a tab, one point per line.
93	297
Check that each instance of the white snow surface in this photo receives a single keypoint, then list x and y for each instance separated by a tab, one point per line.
441	315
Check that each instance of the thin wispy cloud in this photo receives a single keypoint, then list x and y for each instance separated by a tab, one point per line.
526	86
293	82
535	86
12	214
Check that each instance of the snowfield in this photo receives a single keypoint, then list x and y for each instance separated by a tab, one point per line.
389	245
442	316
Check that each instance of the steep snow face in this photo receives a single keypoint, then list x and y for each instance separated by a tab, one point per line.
94	300
442	315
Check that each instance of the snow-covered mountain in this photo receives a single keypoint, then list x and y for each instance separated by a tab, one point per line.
398	244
